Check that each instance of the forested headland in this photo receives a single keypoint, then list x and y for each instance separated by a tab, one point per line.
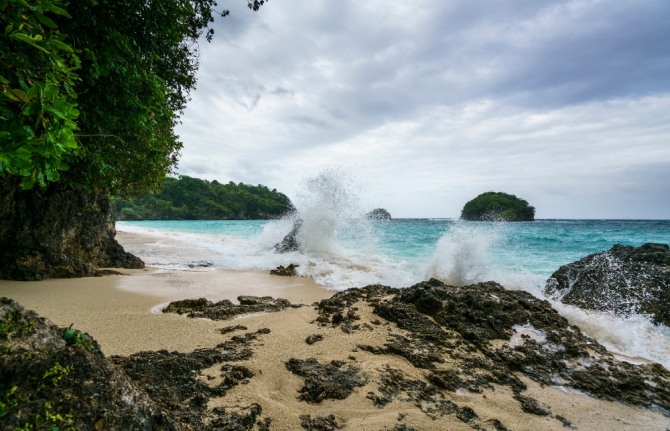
187	198
90	93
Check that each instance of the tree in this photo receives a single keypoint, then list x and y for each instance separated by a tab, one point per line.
37	101
90	93
495	206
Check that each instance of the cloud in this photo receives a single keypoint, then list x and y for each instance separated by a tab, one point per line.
432	103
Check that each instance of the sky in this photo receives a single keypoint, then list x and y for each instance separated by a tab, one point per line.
422	105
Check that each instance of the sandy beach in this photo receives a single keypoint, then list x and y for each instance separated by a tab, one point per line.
123	313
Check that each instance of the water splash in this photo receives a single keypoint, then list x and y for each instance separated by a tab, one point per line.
327	205
463	254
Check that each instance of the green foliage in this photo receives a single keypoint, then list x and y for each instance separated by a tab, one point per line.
498	206
89	97
38	109
139	60
189	198
76	337
10	328
49	417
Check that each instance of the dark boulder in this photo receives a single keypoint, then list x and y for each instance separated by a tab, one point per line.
225	309
57	233
623	280
378	214
481	336
286	271
290	241
52	382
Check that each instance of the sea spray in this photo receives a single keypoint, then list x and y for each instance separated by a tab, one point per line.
463	254
402	252
326	206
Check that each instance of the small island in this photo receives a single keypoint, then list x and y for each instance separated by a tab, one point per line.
378	214
497	206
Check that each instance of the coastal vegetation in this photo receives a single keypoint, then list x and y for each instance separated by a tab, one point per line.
90	93
187	198
495	206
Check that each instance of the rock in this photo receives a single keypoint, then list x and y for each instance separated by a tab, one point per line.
378	214
623	280
225	309
313	338
68	385
290	241
319	423
334	380
287	271
481	336
57	378
200	264
57	233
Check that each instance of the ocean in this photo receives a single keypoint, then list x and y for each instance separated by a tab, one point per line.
341	252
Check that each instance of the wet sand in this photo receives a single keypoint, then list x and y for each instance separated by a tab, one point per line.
122	313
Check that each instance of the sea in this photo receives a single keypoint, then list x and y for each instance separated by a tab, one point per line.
340	249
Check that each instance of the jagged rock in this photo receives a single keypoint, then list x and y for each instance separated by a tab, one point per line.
335	380
623	280
319	423
314	338
490	336
378	214
290	241
286	271
57	378
57	233
225	309
171	380
66	384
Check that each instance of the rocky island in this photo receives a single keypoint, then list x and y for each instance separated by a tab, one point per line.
497	206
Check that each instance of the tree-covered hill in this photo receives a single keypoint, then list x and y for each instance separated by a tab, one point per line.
187	198
495	206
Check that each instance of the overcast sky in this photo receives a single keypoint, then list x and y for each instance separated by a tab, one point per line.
426	104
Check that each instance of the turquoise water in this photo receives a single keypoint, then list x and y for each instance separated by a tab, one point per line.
537	248
340	252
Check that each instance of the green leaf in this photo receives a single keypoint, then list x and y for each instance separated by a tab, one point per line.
27	39
10	95
17	95
60	45
59	11
44	20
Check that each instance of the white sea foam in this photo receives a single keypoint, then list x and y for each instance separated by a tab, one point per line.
462	255
339	250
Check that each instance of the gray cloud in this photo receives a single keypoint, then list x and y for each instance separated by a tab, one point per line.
435	102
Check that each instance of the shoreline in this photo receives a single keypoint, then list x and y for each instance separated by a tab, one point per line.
117	309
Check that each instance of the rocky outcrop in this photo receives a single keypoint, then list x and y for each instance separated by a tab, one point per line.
56	233
623	280
57	378
378	214
225	309
480	336
285	271
433	342
50	383
290	241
